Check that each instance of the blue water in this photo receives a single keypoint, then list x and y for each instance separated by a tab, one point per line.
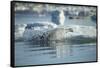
31	18
27	53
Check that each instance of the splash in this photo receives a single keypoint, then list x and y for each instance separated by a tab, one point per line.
62	17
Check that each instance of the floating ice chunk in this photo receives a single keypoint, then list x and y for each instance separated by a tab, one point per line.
89	31
19	30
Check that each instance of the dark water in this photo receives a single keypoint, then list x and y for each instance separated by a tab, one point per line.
27	53
27	18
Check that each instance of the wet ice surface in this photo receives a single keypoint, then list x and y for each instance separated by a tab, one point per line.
28	54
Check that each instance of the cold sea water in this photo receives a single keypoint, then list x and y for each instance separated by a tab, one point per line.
28	53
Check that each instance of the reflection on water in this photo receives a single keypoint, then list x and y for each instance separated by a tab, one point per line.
33	54
61	49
